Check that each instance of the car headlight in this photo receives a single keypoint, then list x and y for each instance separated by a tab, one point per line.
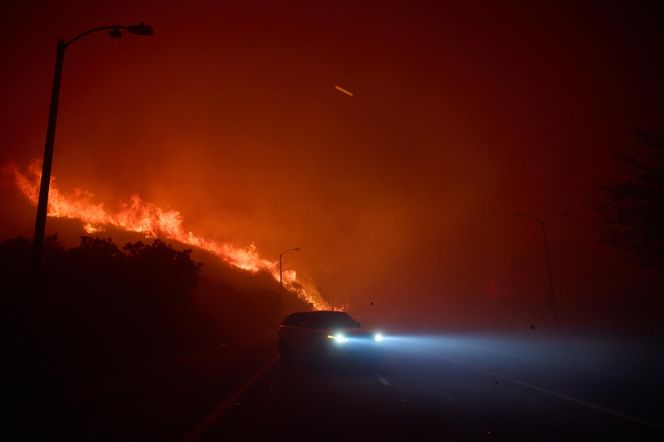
378	337
338	338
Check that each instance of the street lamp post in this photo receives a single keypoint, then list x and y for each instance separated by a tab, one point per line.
552	293
281	281
115	31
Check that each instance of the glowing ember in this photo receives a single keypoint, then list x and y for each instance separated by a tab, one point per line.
343	90
153	221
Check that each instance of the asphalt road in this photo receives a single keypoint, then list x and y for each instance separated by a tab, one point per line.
435	388
445	390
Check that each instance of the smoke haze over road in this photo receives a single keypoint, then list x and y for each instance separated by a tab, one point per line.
401	196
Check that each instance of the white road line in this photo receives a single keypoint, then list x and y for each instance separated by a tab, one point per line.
219	411
383	381
451	399
558	364
554	393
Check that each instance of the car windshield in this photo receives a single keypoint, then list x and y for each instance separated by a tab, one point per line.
331	320
321	320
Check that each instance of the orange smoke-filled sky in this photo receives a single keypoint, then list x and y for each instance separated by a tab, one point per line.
402	194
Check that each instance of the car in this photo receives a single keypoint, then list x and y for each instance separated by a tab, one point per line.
327	335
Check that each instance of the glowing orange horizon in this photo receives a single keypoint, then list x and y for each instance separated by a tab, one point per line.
154	221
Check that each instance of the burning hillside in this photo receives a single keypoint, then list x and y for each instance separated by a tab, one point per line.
153	221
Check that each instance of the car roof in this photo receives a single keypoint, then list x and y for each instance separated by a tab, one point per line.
319	312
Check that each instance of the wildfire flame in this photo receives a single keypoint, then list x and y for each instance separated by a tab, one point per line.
153	221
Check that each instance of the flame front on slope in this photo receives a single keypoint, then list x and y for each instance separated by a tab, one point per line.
154	221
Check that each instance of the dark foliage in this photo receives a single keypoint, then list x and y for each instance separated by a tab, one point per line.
110	316
100	306
632	210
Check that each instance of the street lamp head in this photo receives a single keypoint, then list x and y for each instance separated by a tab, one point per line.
296	248
141	29
115	31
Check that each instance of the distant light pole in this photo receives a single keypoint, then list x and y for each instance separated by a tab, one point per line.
115	31
552	292
281	281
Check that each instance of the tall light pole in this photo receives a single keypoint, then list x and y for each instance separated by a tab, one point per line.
115	31
552	293
281	281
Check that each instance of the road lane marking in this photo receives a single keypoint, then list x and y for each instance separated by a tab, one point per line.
451	399
558	364
383	381
200	429
572	399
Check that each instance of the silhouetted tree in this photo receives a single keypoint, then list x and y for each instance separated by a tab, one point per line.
632	209
100	305
151	261
105	310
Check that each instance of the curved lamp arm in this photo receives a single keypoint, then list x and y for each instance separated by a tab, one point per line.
289	250
529	215
556	215
139	29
